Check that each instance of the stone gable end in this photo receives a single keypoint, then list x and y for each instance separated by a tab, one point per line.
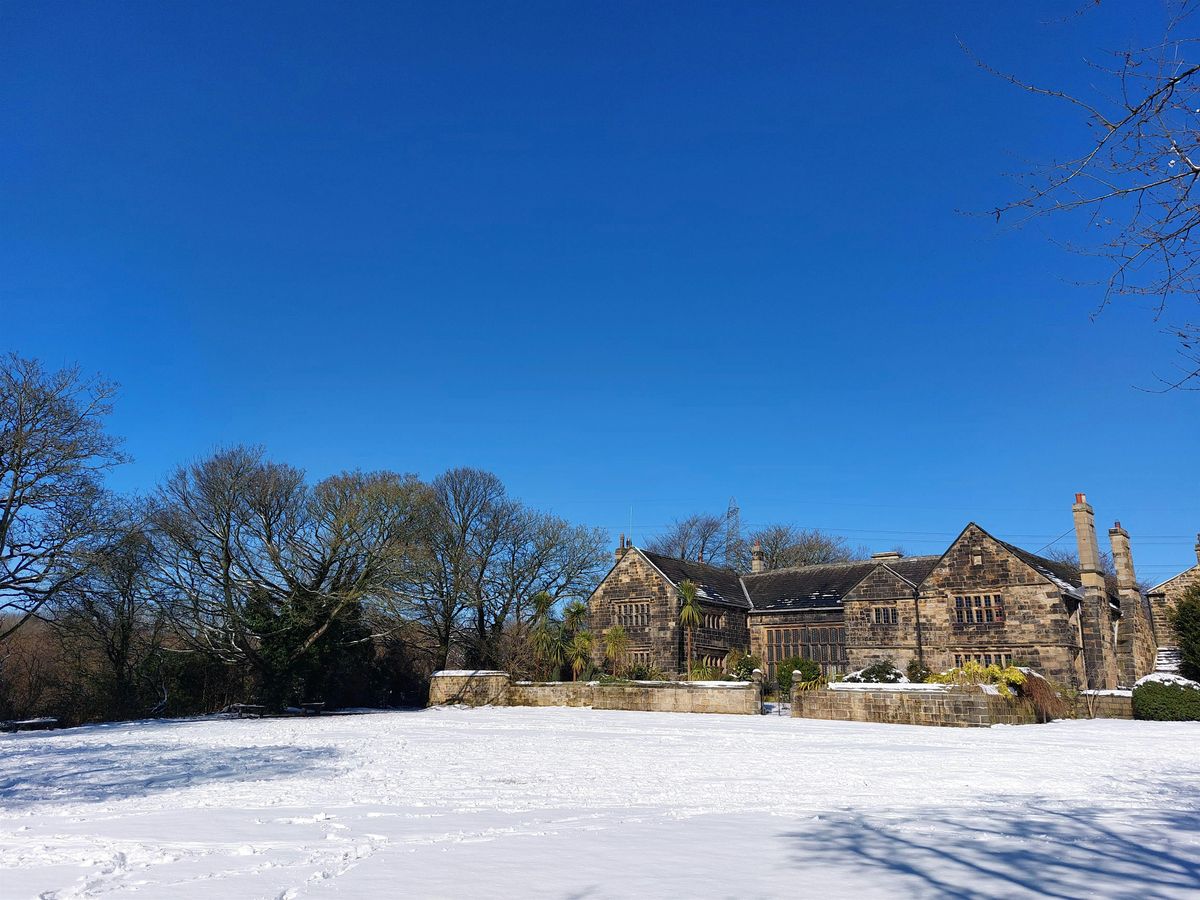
634	580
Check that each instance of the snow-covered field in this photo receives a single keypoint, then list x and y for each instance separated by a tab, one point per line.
582	803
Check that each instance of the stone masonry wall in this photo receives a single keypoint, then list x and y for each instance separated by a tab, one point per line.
1163	601
1040	628
474	688
869	642
953	708
634	579
496	689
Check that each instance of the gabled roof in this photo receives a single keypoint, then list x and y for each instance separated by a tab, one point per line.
1064	575
1186	573
814	587
714	584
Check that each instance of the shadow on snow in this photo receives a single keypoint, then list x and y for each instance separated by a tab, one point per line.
48	772
1032	851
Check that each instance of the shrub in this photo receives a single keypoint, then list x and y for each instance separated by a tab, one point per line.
700	672
1163	700
973	673
809	671
741	665
1185	619
882	672
645	673
917	671
1046	699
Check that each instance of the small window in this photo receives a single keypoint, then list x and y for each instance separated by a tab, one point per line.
887	615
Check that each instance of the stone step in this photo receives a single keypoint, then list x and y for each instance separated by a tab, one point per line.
1168	660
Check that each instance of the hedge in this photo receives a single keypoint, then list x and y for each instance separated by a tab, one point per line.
1166	702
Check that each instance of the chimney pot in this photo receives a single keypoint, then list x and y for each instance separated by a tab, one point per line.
1081	498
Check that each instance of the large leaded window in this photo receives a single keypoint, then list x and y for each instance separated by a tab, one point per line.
979	609
632	614
823	644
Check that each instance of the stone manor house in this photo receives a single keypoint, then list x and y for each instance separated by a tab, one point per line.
982	599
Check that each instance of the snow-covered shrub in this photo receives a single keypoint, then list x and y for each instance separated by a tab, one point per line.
809	671
882	672
1005	679
1166	698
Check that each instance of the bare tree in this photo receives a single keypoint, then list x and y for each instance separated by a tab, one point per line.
259	568
700	537
785	546
1130	183
110	621
53	454
485	557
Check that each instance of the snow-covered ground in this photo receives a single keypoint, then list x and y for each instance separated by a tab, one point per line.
582	803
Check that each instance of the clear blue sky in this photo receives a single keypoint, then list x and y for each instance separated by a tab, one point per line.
647	255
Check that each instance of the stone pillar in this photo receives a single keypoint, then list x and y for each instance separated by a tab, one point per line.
1135	637
1095	619
758	559
1122	558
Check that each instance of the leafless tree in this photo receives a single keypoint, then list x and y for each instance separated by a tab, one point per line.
700	537
484	556
53	454
785	546
258	567
109	619
1129	185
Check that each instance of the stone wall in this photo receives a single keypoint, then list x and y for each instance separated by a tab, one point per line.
497	689
943	705
869	642
660	642
549	693
1104	705
471	687
1162	603
1040	628
634	579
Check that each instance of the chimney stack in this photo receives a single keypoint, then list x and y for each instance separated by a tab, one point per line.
1090	571
758	559
623	548
1122	559
1198	548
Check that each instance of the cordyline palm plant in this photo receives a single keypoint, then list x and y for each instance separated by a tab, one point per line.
547	636
616	645
690	615
580	652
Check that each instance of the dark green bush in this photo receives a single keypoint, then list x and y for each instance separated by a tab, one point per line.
916	672
1185	619
808	670
882	672
1166	702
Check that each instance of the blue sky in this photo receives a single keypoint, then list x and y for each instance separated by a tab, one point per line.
628	256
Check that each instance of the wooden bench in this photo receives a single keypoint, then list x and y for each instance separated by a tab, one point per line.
244	710
313	708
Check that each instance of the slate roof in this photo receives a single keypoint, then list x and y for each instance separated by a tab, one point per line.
813	587
715	584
